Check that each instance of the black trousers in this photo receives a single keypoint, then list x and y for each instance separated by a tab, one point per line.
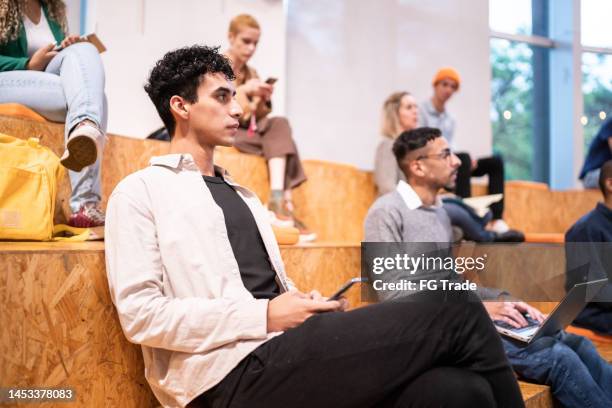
493	167
427	350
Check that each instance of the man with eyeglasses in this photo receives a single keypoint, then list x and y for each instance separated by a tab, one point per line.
413	213
433	113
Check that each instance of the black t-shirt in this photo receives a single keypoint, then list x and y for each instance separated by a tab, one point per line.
253	262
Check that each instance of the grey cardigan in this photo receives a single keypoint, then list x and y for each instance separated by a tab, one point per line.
386	171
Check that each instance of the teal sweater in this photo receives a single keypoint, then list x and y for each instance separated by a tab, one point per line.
14	54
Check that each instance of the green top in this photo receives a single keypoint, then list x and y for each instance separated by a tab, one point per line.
14	54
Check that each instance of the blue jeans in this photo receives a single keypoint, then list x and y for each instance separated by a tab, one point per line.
569	364
70	90
472	225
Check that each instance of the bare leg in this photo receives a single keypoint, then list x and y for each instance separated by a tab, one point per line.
276	168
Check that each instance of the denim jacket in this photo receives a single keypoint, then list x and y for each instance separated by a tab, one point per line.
175	281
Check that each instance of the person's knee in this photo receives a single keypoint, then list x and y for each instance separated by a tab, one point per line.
563	358
84	48
84	51
455	387
576	342
471	390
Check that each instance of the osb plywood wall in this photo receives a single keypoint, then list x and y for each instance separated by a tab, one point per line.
336	197
60	329
541	210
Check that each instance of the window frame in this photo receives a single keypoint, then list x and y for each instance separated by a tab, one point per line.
566	98
540	170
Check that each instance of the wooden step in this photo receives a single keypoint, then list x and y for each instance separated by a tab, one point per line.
60	328
545	237
533	208
333	202
336	197
536	395
534	272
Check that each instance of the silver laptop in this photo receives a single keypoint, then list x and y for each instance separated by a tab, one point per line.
565	313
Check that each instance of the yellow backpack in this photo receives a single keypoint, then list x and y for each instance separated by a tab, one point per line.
29	176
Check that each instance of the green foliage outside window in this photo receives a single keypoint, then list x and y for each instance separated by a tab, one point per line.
511	107
597	90
512	96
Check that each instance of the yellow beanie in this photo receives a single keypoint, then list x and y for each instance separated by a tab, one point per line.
447	72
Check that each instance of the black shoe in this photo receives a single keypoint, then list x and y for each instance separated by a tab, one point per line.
509	236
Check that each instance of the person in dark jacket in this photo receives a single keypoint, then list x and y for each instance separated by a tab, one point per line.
595	228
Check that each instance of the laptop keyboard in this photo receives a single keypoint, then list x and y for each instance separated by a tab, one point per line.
530	323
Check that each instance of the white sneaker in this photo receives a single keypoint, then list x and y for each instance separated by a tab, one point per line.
82	147
277	222
498	226
306	235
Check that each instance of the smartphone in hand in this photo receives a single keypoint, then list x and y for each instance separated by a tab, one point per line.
91	38
345	287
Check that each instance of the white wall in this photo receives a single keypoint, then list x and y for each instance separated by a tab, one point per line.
73	14
336	61
345	57
138	32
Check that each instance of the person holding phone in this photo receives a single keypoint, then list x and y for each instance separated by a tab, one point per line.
63	86
260	134
198	281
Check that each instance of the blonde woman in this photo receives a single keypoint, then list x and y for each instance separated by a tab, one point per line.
61	78
400	113
260	134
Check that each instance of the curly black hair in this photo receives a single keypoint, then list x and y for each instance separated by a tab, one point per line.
180	72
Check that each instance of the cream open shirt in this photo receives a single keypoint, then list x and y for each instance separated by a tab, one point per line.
174	279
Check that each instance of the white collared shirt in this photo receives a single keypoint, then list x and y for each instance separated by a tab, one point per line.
175	281
411	198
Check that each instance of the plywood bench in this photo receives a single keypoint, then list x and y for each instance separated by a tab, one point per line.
333	202
60	328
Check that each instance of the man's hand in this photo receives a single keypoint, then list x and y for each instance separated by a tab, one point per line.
255	87
40	59
316	295
292	308
512	312
531	311
71	39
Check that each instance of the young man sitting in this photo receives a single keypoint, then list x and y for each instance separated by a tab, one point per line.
433	113
569	364
198	281
595	227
